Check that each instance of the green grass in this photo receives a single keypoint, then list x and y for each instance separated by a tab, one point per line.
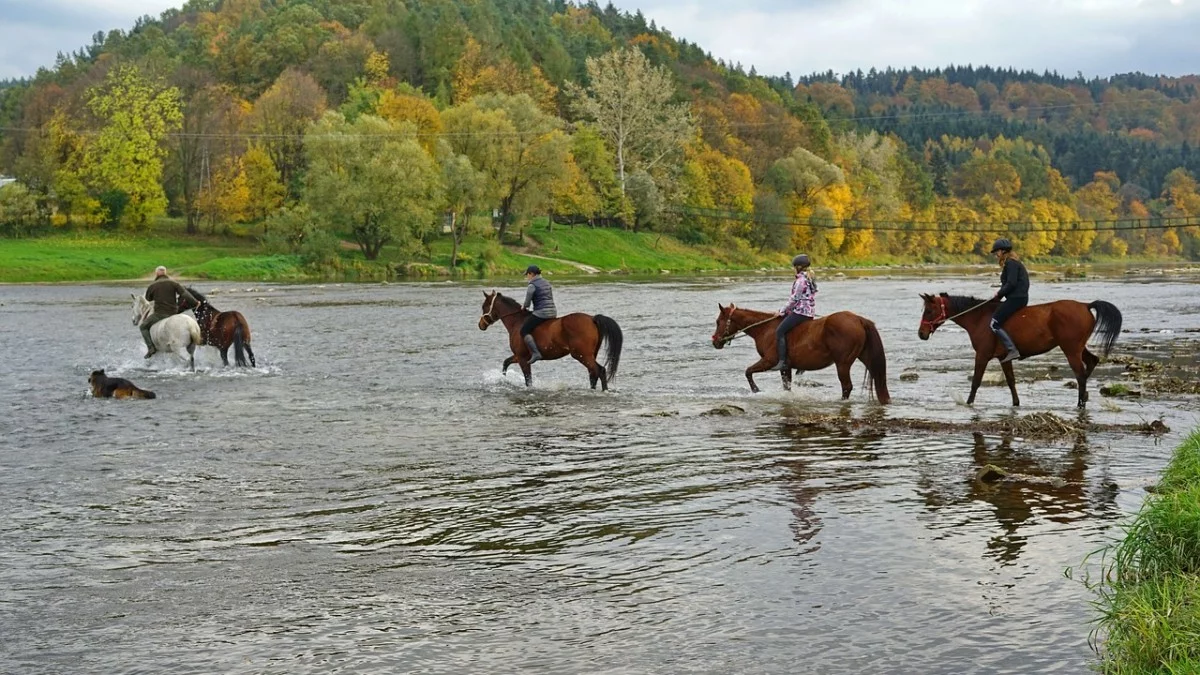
95	257
1150	598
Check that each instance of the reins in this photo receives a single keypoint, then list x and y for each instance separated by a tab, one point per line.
742	331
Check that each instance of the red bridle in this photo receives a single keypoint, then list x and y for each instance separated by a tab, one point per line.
939	318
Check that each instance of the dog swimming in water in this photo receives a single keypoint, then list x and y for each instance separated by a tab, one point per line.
104	386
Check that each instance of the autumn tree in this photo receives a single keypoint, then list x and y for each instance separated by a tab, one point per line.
465	189
372	179
263	183
126	156
518	147
280	117
630	102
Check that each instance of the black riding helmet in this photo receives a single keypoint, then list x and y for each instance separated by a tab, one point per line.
801	261
1002	244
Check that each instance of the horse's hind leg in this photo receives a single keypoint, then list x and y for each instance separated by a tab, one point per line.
1081	371
1090	361
250	353
191	350
225	355
596	372
843	372
1011	379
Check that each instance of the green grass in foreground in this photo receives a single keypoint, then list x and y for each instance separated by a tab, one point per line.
1150	601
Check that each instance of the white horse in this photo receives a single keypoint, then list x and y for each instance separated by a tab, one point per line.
172	333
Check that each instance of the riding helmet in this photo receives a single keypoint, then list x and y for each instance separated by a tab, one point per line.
1002	244
533	269
801	261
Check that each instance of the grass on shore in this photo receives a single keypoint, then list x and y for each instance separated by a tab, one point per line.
1150	597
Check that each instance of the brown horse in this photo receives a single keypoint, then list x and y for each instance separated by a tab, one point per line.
578	335
222	330
837	339
1035	329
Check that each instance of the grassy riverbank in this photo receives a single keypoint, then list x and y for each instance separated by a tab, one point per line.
1150	600
102	256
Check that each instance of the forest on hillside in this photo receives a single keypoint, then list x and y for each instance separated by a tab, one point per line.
388	122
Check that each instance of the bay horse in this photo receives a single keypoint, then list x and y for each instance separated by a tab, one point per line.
578	335
172	333
837	339
1035	329
222	330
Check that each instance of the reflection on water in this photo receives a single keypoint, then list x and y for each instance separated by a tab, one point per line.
383	500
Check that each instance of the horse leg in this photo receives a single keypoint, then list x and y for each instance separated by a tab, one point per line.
843	372
981	361
1090	361
786	376
1011	379
1081	371
507	362
225	355
191	350
761	365
527	372
250	353
595	370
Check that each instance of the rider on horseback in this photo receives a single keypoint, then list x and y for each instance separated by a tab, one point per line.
800	308
1014	289
166	294
541	296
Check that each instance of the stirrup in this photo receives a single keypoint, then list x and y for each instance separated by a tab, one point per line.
1012	355
781	366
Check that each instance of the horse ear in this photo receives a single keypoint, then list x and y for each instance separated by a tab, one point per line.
944	294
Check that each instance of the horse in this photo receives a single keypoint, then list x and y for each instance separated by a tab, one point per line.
172	333
222	329
578	335
837	339
1035	329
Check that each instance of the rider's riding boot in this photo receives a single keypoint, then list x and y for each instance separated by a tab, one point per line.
533	349
781	349
1008	344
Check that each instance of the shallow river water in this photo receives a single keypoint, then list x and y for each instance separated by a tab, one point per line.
376	497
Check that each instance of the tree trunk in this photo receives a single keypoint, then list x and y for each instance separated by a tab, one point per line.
454	236
505	214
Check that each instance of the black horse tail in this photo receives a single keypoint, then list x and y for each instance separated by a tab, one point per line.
876	362
610	332
1108	324
239	352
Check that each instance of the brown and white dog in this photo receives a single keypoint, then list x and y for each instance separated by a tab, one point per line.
104	386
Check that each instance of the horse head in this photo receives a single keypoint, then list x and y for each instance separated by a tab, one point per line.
141	308
933	316
725	331
488	311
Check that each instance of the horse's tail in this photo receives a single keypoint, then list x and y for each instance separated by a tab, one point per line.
610	332
876	361
239	351
1108	324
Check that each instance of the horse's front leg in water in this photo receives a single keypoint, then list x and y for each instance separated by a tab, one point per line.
981	361
507	362
1011	379
786	376
762	365
527	372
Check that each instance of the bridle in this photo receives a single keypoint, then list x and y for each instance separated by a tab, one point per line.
941	303
727	337
486	317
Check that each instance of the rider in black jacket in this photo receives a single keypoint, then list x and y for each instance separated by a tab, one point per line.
1014	290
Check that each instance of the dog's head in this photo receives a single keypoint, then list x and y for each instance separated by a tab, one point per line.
96	376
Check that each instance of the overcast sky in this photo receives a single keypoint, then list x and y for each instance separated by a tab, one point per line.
1095	37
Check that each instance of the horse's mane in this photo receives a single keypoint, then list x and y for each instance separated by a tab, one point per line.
197	294
754	313
500	297
961	303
